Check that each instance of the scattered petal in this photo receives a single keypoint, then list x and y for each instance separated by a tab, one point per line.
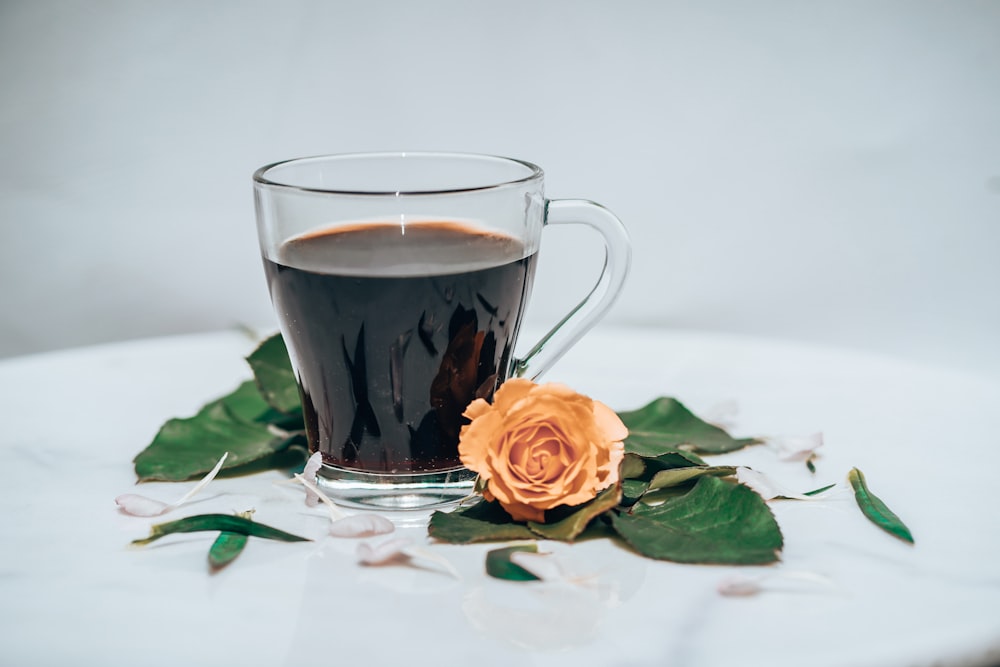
383	552
361	525
744	586
768	489
740	586
401	550
348	525
335	512
423	553
204	481
312	466
545	566
136	505
796	447
549	567
722	414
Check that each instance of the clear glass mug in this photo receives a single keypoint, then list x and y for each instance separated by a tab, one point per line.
399	281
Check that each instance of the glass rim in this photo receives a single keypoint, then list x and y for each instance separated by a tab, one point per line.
260	176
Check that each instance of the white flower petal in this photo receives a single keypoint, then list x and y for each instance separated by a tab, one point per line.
312	466
335	512
545	566
204	481
550	568
137	505
767	488
422	553
777	581
383	552
722	414
740	586
402	549
764	487
361	525
795	448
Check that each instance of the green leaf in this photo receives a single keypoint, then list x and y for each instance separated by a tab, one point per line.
570	527
673	459
247	405
218	522
225	549
244	403
677	476
499	565
228	546
632	490
665	424
275	378
876	510
185	448
816	492
716	522
660	496
633	467
482	522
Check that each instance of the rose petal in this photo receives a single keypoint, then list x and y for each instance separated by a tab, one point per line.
510	392
361	525
524	512
541	446
609	422
477	409
474	442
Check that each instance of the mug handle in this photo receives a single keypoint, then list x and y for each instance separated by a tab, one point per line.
617	259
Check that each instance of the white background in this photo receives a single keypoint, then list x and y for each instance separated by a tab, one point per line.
825	172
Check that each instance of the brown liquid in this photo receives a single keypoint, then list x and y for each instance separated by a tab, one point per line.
393	332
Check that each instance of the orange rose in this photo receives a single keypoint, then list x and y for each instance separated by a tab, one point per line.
541	446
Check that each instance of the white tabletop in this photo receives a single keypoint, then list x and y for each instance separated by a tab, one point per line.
72	592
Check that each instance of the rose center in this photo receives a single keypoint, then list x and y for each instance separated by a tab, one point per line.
545	460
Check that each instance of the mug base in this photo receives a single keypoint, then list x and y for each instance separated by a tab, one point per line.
400	491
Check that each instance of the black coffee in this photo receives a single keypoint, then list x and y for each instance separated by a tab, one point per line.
394	330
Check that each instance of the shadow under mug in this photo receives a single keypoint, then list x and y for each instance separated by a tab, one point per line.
399	281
